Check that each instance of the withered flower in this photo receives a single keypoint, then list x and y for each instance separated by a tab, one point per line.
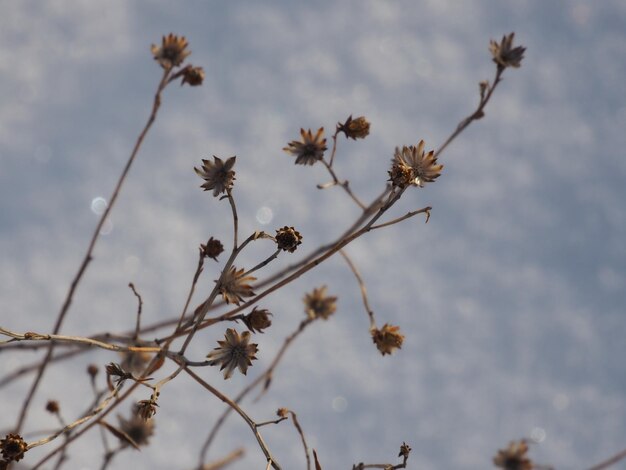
401	175
146	409
258	320
172	52
387	339
233	353
288	239
217	174
310	149
234	286
358	128
138	429
423	165
282	412
194	76
52	406
318	305
405	450
115	370
514	457
13	447
212	249
504	54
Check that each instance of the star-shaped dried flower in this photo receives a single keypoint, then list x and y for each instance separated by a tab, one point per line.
319	305
258	319
514	457
358	128
310	149
138	429
217	174
423	165
234	353
172	52
288	239
234	286
193	76
212	249
387	339
13	447
504	54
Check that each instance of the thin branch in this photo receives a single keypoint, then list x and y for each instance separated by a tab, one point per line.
306	448
425	210
139	306
88	256
610	461
362	287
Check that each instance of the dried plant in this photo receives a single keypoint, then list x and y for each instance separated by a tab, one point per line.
142	358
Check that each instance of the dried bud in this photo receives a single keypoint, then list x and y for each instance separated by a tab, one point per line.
387	339
13	447
282	412
483	87
288	239
257	320
52	406
319	305
514	457
92	370
358	128
212	249
194	76
405	450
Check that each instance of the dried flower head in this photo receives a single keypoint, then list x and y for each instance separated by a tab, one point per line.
217	174
13	447
193	76
172	52
52	407
504	54
137	428
282	412
310	149
146	409
514	457
405	450
401	175
319	305
92	370
234	286
387	339
423	165
135	362
288	239
115	370
212	249
358	128
235	352
258	319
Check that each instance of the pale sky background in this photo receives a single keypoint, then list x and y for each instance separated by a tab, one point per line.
512	298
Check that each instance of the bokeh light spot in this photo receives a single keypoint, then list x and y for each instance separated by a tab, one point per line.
264	215
98	205
538	434
339	404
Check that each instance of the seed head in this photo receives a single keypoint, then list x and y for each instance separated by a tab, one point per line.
288	239
172	52
217	174
310	149
358	128
423	166
387	339
212	249
137	428
319	305
513	457
258	319
504	54
234	352
234	286
193	76
13	447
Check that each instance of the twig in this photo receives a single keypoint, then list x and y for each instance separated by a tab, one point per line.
88	256
362	287
306	448
222	463
139	306
610	461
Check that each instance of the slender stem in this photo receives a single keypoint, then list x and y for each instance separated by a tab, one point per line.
425	210
139	307
233	207
610	461
88	256
362	287
299	429
241	413
344	184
